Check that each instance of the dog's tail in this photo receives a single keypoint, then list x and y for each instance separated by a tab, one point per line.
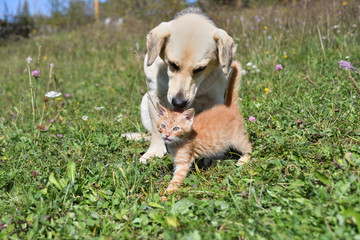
232	91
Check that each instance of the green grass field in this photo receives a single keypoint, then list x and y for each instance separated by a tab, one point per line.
87	183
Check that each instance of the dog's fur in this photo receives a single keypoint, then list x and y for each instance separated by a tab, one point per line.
188	59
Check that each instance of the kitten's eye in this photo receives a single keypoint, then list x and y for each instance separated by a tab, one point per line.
174	66
176	128
199	70
162	126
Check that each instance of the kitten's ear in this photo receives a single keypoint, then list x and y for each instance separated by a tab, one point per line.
189	115
160	110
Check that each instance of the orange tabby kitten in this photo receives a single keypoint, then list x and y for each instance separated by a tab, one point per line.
210	133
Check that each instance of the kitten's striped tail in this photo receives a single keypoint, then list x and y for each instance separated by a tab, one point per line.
232	91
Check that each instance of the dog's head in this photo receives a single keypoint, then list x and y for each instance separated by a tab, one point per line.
192	47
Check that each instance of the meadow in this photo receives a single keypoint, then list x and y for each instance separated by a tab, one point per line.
65	172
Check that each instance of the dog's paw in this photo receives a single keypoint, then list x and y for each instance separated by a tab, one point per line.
143	160
149	154
244	159
134	136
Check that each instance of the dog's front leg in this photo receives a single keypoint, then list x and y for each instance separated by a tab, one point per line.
157	146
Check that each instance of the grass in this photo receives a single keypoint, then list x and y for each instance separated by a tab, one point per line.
303	181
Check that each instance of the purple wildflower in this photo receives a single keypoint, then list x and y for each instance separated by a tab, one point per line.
279	67
252	118
59	135
346	65
269	37
67	95
35	73
137	46
35	173
52	120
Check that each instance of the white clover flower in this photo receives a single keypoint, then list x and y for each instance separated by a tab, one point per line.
249	64
107	21
336	26
347	57
98	108
85	118
257	70
52	94
118	118
29	59
243	72
254	66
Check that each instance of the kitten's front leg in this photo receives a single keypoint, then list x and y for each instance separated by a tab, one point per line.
182	166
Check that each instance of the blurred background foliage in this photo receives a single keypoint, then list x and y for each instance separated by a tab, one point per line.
69	15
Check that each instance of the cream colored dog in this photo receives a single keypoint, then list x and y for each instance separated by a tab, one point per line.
187	61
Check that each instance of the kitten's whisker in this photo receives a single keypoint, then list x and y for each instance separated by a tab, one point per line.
152	102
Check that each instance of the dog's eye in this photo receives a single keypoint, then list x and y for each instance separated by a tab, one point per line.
162	126
198	70
173	65
176	128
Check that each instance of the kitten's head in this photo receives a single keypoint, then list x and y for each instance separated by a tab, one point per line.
174	126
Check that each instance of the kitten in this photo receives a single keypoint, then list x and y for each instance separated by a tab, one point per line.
210	133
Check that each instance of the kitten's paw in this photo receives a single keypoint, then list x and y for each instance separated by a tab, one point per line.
171	188
244	159
163	199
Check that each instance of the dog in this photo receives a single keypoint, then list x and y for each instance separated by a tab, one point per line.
186	65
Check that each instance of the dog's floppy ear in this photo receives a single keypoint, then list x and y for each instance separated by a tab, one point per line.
226	49
155	41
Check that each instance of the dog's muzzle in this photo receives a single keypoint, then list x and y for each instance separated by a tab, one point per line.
178	101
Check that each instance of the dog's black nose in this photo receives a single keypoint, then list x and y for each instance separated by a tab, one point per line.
178	102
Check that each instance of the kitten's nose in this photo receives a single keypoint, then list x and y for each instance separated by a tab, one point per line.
167	135
179	101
